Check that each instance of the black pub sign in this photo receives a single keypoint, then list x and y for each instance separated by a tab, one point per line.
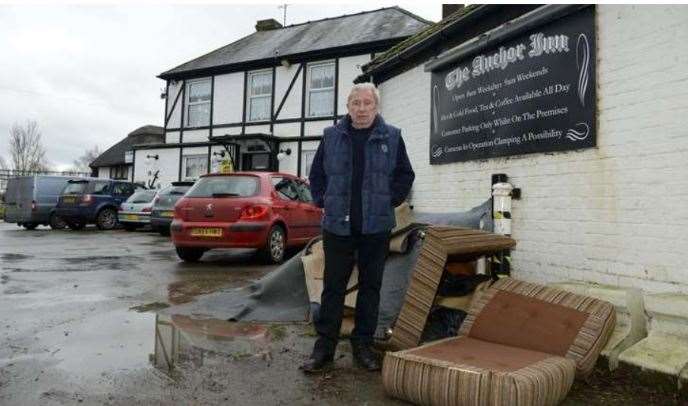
533	93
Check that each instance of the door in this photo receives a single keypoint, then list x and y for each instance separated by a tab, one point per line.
286	205
312	213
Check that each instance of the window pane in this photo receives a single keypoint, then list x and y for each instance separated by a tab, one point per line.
199	115
321	103
259	108
307	160
195	166
261	84
322	76
199	91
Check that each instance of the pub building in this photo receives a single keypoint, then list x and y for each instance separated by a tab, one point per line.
585	109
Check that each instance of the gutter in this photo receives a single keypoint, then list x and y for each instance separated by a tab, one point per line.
504	32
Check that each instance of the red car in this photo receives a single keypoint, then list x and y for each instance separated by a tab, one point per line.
269	211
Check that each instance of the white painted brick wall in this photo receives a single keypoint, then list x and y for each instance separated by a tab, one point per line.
615	214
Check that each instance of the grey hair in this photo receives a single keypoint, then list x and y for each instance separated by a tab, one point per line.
365	86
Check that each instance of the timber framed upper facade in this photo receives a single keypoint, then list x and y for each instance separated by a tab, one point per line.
274	90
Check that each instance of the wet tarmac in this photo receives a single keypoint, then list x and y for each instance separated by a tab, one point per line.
79	326
90	317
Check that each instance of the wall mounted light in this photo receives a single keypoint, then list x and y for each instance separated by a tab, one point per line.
283	153
156	157
285	63
220	154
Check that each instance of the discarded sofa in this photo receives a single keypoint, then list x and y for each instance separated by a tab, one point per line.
521	344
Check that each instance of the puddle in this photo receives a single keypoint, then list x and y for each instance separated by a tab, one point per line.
15	257
104	343
184	341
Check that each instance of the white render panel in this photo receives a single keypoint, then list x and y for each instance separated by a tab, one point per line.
292	106
349	69
257	129
287	130
227	98
173	90
316	127
605	215
172	137
196	135
289	163
167	163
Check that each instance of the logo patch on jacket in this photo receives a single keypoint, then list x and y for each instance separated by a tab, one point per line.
383	147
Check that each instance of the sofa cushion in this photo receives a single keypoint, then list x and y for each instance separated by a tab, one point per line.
466	371
540	318
529	323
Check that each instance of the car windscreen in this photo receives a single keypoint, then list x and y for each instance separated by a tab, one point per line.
74	188
144	196
225	186
175	190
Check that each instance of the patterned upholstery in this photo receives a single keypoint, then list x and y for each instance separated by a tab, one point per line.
521	344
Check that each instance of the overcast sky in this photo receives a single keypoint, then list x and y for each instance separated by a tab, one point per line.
87	73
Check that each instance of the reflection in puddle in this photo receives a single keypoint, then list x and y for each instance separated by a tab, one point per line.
182	340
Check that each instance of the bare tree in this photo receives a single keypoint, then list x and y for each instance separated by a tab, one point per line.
26	150
3	164
82	164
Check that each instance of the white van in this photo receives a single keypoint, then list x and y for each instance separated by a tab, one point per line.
30	200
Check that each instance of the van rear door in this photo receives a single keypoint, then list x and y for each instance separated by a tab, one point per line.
18	199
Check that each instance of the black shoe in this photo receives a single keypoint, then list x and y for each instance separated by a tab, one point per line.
365	357
317	363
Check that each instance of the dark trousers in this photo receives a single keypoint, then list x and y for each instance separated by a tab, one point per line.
369	252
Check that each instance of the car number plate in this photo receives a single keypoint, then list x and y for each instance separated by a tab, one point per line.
167	213
206	232
68	200
132	217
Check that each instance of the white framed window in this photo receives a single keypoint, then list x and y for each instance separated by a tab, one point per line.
259	95
321	89
195	166
198	103
306	161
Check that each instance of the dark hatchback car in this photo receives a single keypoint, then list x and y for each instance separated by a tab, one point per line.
91	201
163	206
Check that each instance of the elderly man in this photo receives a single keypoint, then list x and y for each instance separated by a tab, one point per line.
359	174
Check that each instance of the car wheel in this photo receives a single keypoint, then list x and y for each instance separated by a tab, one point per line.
30	226
106	219
189	254
273	253
76	226
129	227
164	231
56	222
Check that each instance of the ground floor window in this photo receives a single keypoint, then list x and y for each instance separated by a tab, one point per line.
195	166
119	172
307	156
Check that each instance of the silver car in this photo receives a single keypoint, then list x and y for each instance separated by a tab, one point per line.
135	211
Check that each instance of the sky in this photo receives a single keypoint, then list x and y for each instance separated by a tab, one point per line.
87	72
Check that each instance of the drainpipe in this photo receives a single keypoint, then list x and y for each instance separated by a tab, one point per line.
502	193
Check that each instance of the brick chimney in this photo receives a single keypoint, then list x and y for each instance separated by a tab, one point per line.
448	9
267	25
